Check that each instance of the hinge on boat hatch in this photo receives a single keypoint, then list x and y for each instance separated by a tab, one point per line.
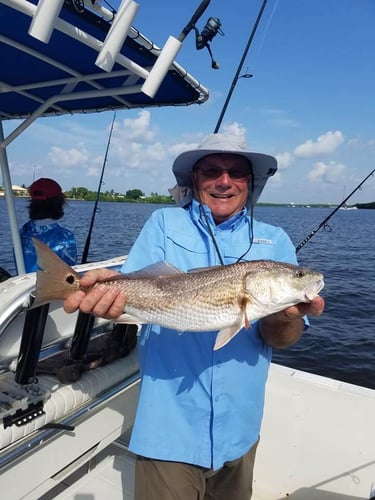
20	404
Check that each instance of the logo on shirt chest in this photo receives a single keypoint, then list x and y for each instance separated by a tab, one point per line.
263	241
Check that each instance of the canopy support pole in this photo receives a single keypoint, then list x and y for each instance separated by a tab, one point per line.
11	205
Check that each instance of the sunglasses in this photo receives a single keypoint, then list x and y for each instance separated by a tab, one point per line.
236	173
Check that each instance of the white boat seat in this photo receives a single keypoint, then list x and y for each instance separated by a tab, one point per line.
63	400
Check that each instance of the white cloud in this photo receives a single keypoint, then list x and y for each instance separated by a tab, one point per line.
279	117
69	157
331	173
175	149
138	129
325	144
234	128
284	160
132	145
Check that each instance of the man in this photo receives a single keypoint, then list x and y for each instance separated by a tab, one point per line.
199	412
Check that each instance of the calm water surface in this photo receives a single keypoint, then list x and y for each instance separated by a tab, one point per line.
339	344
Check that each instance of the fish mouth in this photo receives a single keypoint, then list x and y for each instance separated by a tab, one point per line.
312	291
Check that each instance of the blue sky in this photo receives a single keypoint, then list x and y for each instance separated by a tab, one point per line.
310	103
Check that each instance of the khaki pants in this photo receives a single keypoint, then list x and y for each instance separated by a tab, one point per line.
161	480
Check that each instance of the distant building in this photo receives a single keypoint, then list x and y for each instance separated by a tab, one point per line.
17	191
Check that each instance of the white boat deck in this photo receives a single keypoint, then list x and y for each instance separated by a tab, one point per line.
112	478
317	444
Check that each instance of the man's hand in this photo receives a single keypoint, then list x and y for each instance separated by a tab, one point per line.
284	328
313	308
103	301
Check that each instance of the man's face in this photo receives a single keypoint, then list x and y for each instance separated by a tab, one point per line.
221	181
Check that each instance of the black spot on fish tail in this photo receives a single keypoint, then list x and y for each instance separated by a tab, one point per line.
70	279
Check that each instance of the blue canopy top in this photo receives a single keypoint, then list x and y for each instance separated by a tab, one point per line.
61	77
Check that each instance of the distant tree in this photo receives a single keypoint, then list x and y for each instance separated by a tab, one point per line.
81	192
159	198
134	194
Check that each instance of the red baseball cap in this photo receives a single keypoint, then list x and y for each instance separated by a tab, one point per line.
44	188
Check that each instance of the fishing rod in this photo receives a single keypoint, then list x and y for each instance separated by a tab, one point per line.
237	74
85	321
88	240
324	222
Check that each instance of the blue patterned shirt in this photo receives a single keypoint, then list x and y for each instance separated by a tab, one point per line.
58	238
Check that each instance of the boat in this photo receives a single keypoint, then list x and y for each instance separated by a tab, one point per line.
68	383
348	207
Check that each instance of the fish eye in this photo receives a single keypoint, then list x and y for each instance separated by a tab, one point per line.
70	279
300	274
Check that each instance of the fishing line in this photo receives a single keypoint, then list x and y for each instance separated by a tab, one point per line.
237	74
263	35
324	222
88	240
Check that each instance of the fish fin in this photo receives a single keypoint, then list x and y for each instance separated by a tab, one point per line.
247	322
225	335
243	303
127	319
200	269
55	280
157	270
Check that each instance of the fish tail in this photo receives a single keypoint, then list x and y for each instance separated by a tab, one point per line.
55	280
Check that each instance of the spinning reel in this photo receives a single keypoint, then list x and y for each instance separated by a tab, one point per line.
203	39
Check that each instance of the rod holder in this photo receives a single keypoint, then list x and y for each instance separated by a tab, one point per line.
81	336
31	343
116	35
161	66
44	19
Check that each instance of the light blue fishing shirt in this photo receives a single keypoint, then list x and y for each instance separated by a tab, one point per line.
197	405
58	238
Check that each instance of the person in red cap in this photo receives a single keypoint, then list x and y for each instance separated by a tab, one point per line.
45	208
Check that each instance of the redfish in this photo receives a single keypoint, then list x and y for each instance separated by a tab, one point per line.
224	298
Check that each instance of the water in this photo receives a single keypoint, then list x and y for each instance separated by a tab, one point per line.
339	344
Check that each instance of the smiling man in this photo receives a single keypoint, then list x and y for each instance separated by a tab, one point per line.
200	410
221	181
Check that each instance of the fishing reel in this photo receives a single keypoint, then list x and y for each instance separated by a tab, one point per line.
79	5
203	39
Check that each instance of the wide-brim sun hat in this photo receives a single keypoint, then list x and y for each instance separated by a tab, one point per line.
263	165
